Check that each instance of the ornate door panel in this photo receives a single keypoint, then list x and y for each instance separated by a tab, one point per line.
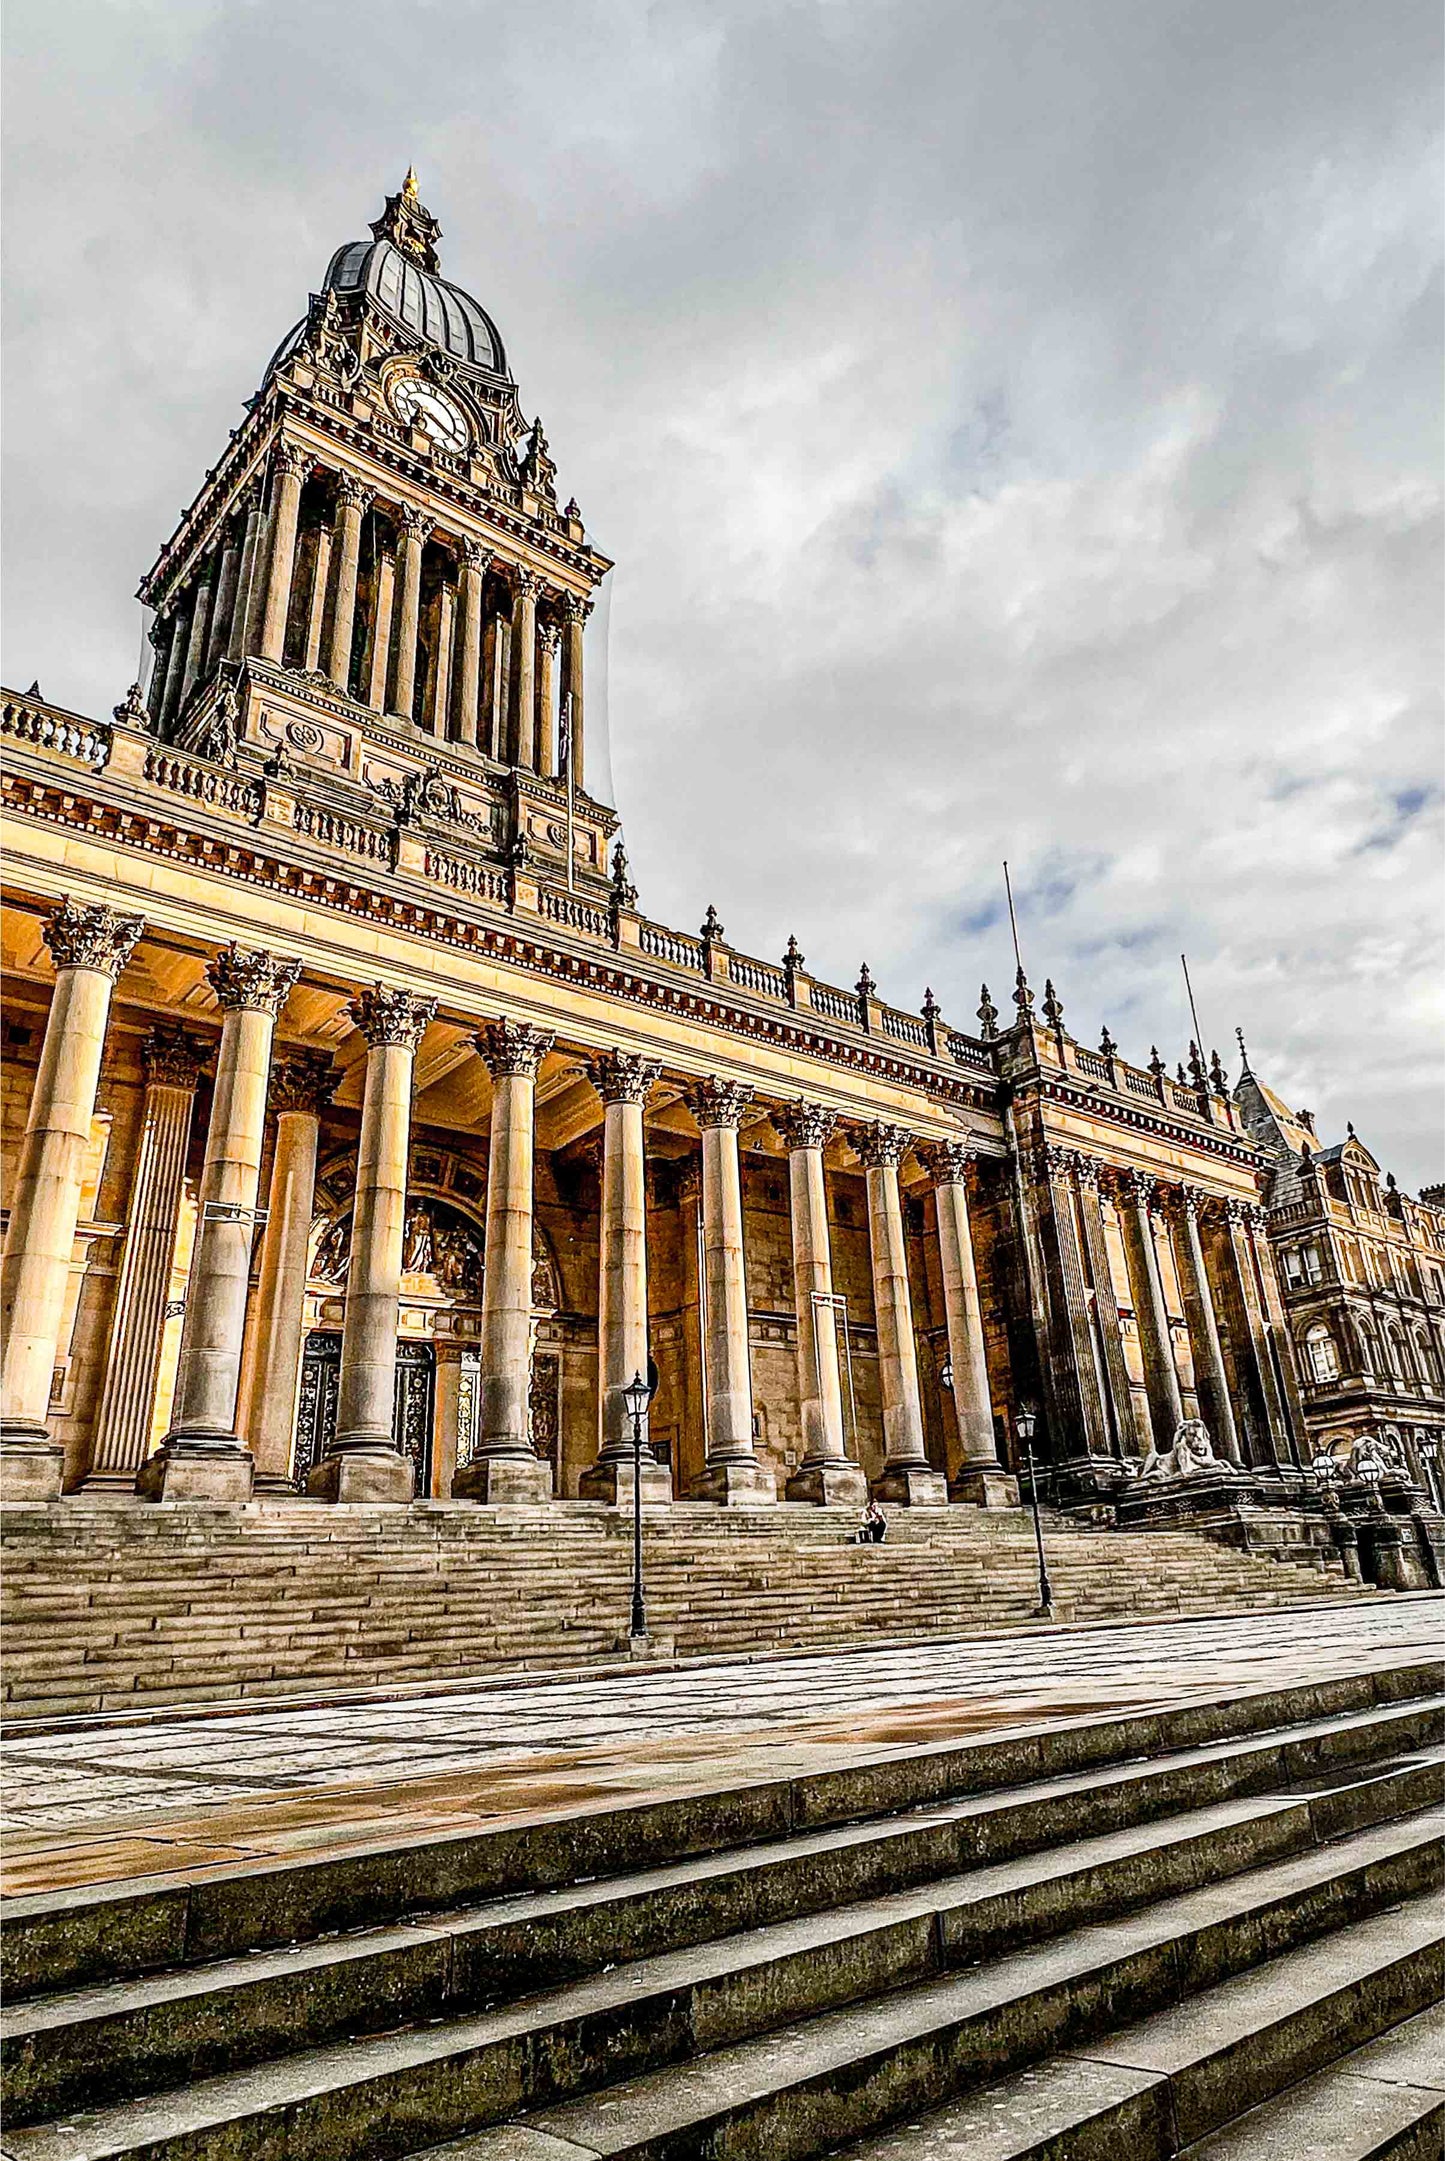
412	1405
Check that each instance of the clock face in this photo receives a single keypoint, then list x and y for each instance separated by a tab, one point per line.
420	404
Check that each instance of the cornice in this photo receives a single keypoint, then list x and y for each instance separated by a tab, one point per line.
1134	1117
242	860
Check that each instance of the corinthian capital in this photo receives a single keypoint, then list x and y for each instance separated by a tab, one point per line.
946	1162
881	1146
387	1015
292	462
249	981
172	1058
576	610
474	556
306	1080
414	523
95	937
804	1125
354	494
716	1103
623	1077
526	585
509	1048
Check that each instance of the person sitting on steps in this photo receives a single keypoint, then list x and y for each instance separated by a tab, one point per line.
874	1528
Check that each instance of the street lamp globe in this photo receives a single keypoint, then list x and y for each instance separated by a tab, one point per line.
636	1395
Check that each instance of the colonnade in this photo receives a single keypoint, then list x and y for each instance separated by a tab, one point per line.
420	624
235	1397
1086	1371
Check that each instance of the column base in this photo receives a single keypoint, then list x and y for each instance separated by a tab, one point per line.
911	1485
186	1469
832	1483
504	1482
32	1466
742	1484
356	1475
983	1485
610	1480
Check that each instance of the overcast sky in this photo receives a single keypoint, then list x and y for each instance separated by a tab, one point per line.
1016	426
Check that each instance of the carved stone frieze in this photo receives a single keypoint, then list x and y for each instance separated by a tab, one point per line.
510	1048
387	1015
623	1076
91	937
245	980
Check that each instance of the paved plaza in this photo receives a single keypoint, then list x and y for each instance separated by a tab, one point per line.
108	1800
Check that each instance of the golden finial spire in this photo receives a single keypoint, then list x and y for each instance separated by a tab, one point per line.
409	187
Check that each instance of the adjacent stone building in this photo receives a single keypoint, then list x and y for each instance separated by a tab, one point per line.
365	1137
1362	1268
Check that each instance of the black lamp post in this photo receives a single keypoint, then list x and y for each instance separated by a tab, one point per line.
637	1395
1025	1419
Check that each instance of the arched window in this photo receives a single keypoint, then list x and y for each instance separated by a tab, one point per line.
1322	1357
1400	1357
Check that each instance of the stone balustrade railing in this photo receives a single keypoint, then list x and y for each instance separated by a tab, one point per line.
88	741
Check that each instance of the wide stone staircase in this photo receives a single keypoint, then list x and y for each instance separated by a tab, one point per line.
1204	1930
111	1606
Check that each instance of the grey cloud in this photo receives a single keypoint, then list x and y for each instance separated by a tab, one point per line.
1015	424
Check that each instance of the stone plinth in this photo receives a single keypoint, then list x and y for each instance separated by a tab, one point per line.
610	1479
981	1487
745	1483
911	1485
504	1482
835	1483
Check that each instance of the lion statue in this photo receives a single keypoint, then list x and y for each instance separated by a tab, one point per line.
1191	1454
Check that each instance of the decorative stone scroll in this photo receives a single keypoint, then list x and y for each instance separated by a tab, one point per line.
717	1103
94	937
512	1047
881	1146
251	982
623	1076
804	1125
388	1015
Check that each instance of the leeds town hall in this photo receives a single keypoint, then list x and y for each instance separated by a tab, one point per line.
366	1138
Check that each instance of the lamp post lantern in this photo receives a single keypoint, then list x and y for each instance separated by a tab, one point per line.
636	1396
1025	1419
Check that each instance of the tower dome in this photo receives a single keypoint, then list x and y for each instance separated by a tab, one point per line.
398	269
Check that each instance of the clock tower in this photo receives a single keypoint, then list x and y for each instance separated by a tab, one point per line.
374	605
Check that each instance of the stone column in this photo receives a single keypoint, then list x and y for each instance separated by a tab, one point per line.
1204	1328
1136	1203
622	1080
200	631
353	500
248	599
825	1474
1291	1446
1132	1438
469	658
202	1457
505	1468
316	602
906	1476
439	705
524	669
379	636
225	604
89	946
549	644
491	732
574	617
165	638
1274	1438
291	467
173	1063
692	1442
733	1475
363	1462
415	527
979	1476
301	1087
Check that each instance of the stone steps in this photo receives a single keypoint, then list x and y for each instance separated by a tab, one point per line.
109	1607
771	1967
